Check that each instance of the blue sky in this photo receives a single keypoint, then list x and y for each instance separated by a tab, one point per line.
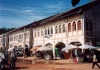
17	13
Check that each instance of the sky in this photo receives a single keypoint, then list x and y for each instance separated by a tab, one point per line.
17	13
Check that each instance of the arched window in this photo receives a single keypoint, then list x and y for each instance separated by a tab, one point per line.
74	26
56	30
51	30
79	25
69	27
63	27
60	29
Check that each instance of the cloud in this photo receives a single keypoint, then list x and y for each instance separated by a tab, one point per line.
25	15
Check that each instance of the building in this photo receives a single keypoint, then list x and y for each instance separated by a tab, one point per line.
78	26
1	41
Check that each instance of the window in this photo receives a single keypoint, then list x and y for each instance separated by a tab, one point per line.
38	33
41	33
20	36
48	31
79	25
56	30
45	32
35	34
74	26
1	41
69	27
11	38
63	27
60	29
88	25
51	30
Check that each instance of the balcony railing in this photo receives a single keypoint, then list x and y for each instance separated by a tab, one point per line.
48	36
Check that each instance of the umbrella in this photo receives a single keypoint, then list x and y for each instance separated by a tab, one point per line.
34	48
65	49
43	48
72	46
10	49
40	49
86	46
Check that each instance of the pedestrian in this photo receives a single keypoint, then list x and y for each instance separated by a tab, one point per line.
94	61
77	58
26	51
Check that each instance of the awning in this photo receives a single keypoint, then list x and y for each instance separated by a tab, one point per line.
71	47
34	48
86	46
10	49
98	49
43	48
65	49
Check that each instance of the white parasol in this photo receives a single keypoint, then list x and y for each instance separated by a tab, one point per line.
72	46
65	49
10	49
43	48
86	46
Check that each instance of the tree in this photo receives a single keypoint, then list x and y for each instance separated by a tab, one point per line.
4	30
75	2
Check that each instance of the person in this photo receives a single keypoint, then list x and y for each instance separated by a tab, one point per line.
94	61
77	58
26	51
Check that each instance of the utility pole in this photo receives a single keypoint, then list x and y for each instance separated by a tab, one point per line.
24	40
4	43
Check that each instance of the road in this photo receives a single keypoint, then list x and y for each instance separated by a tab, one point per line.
54	66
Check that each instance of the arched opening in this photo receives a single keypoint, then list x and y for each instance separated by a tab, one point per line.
74	26
48	52
58	50
75	51
60	29
49	46
56	30
63	27
69	27
79	25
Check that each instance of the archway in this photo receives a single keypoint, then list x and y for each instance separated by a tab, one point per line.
58	50
49	46
76	51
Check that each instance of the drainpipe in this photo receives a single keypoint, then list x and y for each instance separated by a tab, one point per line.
24	41
83	32
54	41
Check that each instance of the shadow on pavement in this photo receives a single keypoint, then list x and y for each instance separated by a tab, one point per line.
17	68
21	68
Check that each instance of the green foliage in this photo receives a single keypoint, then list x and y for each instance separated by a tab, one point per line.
2	50
4	30
75	2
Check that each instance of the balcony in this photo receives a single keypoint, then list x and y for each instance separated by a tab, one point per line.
48	36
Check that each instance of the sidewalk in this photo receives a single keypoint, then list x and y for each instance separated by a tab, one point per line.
34	60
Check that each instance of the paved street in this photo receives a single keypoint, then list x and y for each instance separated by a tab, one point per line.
55	66
28	64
